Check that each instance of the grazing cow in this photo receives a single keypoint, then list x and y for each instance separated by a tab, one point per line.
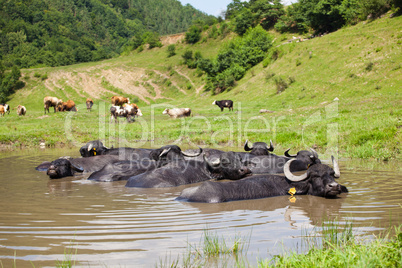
21	110
68	106
319	180
224	104
177	112
189	171
119	101
96	147
127	112
89	104
6	108
51	102
133	106
2	110
63	167
155	159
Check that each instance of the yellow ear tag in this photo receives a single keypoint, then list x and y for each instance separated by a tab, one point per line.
292	191
94	151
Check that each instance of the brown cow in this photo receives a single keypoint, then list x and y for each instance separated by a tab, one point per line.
67	106
21	110
89	103
2	110
51	102
119	101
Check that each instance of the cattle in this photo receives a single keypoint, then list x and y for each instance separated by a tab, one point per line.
119	101
6	108
134	106
96	147
21	110
188	171
259	148
318	180
2	110
156	158
68	106
51	102
224	104
89	104
128	112
273	164
177	112
64	167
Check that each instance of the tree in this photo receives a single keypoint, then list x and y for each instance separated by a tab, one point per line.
193	35
171	50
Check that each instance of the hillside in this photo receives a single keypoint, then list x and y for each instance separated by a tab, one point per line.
343	96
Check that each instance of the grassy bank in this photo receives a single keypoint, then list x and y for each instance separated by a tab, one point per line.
340	94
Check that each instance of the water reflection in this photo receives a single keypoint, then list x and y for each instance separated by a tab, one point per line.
110	225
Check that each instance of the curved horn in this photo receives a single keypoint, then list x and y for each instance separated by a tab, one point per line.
289	155
164	152
77	168
213	164
289	175
246	147
336	167
314	153
271	146
192	155
90	147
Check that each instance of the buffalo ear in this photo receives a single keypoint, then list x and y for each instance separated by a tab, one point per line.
77	168
44	166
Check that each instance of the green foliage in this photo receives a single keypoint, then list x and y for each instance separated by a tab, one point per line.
243	21
193	35
9	82
171	50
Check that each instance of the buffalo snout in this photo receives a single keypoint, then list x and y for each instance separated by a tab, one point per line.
332	189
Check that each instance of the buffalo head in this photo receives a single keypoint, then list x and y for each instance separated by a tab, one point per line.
319	178
62	167
170	153
92	148
229	166
259	148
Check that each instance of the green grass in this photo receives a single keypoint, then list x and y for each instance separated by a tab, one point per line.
359	65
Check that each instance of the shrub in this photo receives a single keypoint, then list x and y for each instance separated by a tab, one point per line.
193	35
171	50
281	85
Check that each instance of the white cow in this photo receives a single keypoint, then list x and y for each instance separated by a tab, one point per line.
177	112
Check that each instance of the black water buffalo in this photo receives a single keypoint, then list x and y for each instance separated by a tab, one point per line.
96	147
182	172
157	158
64	167
259	148
224	104
319	180
273	164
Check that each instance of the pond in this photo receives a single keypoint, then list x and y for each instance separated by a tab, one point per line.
108	225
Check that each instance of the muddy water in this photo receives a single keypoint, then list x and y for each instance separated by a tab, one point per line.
108	225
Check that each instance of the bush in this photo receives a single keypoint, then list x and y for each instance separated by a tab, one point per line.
281	85
193	35
171	50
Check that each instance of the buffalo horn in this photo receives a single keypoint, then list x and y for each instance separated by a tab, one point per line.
164	152
212	164
289	175
246	147
289	155
271	146
314	153
192	155
77	168
90	147
336	167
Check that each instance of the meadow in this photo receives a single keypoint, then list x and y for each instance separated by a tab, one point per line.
339	94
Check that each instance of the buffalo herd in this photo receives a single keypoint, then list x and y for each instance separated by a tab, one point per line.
221	176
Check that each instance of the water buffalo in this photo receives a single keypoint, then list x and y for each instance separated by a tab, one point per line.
64	167
96	147
156	158
259	148
51	102
177	112
224	104
319	180
182	172
89	103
